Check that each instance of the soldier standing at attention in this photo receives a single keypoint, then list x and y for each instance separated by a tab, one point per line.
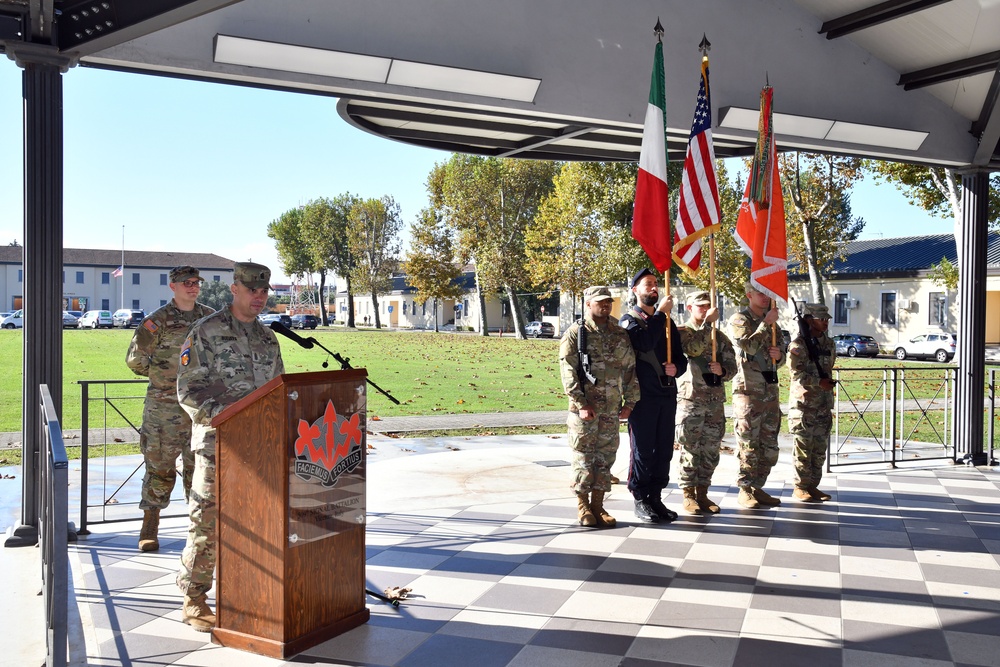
651	424
756	412
597	367
810	362
166	428
225	357
701	408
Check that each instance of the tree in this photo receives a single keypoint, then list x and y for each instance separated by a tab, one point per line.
818	210
564	243
324	231
373	236
215	294
430	264
937	190
490	201
293	252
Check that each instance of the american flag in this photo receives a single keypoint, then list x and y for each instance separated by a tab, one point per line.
117	273
698	212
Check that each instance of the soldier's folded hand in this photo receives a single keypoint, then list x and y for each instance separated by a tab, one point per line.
771	316
587	413
715	368
666	304
775	353
711	315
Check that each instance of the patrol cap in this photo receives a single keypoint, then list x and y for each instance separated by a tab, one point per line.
640	275
699	299
748	287
254	276
179	274
816	310
597	293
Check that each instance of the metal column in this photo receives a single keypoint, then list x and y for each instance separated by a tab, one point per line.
969	393
43	248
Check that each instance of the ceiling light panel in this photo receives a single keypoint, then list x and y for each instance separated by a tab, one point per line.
302	59
465	81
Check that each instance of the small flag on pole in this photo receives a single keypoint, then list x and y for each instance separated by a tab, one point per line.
698	211
760	225
117	273
651	215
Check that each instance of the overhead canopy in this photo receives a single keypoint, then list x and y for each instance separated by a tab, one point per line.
911	80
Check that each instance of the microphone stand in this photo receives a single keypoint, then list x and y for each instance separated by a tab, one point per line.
309	343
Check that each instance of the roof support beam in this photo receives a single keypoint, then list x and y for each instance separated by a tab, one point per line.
538	142
874	15
986	62
987	128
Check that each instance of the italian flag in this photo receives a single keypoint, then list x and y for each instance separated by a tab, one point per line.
651	216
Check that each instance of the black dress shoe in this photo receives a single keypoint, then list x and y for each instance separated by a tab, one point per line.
645	512
664	512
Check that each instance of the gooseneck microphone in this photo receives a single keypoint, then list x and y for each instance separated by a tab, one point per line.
278	327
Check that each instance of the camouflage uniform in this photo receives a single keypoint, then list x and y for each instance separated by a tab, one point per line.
166	428
595	442
756	412
222	360
701	409
806	397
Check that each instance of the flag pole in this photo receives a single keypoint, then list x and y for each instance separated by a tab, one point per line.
711	292
658	29
122	305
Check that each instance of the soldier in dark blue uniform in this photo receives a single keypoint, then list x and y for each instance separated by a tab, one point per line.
651	424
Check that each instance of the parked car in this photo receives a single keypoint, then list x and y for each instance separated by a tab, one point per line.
540	330
69	320
939	347
276	317
13	321
75	313
304	322
93	319
854	345
126	318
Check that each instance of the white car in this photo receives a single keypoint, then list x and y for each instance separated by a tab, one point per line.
93	319
13	321
939	347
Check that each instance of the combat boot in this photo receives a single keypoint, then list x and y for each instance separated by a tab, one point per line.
597	508
150	526
645	512
691	505
585	514
802	493
704	503
747	499
765	498
198	614
819	495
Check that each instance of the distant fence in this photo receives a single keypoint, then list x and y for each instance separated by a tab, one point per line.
893	415
992	445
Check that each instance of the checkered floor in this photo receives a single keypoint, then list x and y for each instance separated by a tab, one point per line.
900	568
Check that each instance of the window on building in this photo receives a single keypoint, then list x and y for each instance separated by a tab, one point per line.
135	304
20	275
135	278
404	308
79	277
216	279
163	302
938	310
64	277
423	310
465	306
105	278
840	310
887	312
163	279
105	304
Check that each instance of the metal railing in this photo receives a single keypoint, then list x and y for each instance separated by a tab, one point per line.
111	505
54	531
892	415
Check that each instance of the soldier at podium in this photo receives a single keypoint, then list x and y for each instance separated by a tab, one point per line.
226	356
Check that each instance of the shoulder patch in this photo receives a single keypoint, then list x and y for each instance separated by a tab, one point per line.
186	352
150	326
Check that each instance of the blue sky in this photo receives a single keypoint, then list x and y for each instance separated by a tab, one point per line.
184	165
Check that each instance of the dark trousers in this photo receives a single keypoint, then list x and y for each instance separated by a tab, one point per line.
651	436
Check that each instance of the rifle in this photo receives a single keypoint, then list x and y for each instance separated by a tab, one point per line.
582	357
811	349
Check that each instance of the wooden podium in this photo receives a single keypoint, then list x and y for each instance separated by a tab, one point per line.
290	487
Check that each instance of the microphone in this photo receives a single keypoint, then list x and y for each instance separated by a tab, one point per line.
278	327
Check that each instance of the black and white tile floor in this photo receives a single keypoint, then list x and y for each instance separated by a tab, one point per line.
900	568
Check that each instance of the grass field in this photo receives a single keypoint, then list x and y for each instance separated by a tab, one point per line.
428	373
